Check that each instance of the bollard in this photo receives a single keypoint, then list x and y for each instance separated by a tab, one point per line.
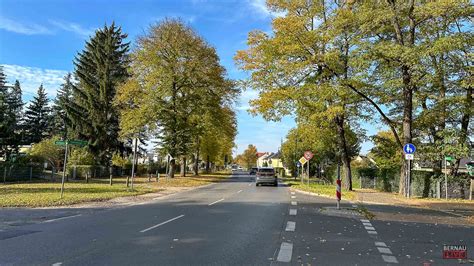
338	186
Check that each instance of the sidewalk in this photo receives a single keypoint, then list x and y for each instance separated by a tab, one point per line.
459	212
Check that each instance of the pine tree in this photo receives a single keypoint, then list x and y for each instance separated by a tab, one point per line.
37	117
60	121
16	114
100	68
5	121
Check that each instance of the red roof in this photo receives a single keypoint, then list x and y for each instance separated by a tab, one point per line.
260	154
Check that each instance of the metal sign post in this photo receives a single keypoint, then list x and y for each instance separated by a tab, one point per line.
338	186
134	159
409	149
446	159
302	160
64	169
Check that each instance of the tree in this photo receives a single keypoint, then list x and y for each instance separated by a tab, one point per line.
48	151
60	120
11	115
37	117
176	77
302	66
100	68
248	158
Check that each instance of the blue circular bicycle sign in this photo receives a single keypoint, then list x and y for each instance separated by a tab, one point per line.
409	148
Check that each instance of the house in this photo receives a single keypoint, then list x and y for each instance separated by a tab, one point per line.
271	159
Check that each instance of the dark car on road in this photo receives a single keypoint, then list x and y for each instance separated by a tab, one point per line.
253	171
266	175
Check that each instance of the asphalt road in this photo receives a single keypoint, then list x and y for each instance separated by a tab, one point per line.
227	223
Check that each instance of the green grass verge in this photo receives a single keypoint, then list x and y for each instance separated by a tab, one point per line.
327	190
45	194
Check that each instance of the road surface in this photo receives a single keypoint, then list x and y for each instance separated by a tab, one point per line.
227	223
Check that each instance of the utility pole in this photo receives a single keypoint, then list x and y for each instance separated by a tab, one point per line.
64	169
134	159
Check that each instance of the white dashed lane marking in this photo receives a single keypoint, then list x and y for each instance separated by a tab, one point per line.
293	193
293	197
62	218
294	203
163	223
210	204
293	211
286	251
239	191
290	226
389	259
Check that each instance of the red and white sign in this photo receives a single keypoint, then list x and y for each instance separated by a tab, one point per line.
454	252
308	155
338	189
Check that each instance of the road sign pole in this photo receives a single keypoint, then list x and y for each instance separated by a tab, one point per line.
446	176
64	170
338	186
308	171
409	178
134	159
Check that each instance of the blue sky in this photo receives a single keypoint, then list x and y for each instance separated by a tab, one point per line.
39	39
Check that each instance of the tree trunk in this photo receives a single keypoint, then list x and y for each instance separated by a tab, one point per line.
196	163
183	166
172	168
207	164
407	121
463	137
345	158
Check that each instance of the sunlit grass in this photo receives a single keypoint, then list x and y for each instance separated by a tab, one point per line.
326	190
44	194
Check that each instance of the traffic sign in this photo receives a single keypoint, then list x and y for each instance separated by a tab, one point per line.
298	164
60	142
303	160
449	158
71	142
409	156
409	148
308	155
77	142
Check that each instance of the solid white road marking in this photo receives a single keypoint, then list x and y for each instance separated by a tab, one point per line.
57	264
286	250
293	203
160	224
367	224
292	211
210	204
369	228
389	259
290	226
380	244
293	193
239	191
250	184
62	218
384	250
293	197
353	205
364	220
372	232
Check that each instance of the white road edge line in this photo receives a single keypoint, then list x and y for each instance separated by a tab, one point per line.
290	226
210	204
285	253
160	224
62	218
239	191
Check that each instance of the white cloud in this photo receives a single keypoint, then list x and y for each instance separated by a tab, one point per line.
260	7
72	27
18	27
35	29
32	77
247	95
